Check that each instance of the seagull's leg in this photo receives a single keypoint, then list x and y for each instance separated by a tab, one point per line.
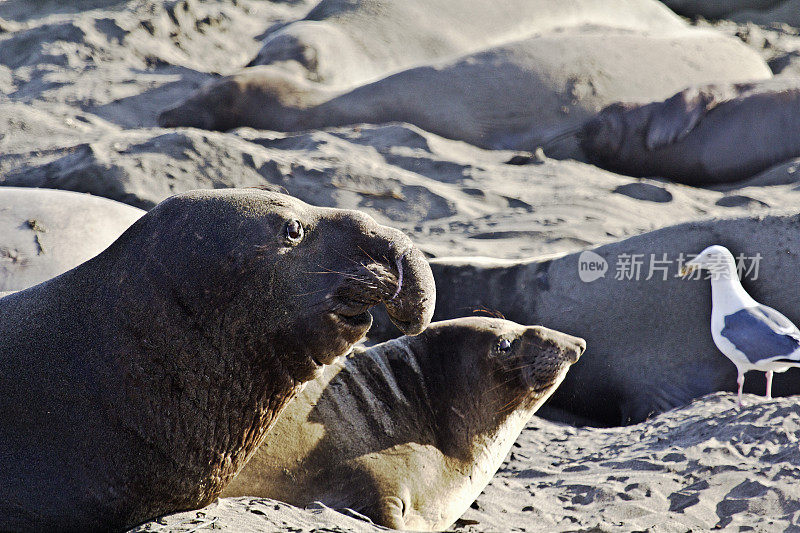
740	381
769	384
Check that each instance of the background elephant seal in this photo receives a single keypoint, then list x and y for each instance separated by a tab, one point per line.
702	135
345	43
409	432
716	8
649	341
45	232
138	383
519	95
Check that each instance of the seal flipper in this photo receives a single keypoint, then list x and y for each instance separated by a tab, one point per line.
390	512
677	116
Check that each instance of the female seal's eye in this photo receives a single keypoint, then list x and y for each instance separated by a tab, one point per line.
504	346
294	231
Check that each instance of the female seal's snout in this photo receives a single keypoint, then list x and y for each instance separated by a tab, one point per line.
551	340
575	348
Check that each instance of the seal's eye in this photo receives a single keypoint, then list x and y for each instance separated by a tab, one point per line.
294	231
504	346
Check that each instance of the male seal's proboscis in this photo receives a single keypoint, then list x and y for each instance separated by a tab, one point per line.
138	383
409	432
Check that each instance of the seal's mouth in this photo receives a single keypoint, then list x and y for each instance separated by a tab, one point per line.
374	285
539	388
402	283
353	312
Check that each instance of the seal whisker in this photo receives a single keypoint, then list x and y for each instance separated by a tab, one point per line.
510	406
359	263
310	292
516	368
352	276
494	313
367	254
330	271
501	384
371	272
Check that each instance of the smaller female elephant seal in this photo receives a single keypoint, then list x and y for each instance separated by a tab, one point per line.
702	135
138	383
410	431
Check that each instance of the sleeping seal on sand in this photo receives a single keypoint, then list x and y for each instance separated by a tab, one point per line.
46	232
138	383
702	135
345	43
515	96
716	8
409	432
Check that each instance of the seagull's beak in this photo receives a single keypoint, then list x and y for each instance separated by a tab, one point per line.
688	268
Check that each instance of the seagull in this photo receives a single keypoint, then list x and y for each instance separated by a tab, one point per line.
753	336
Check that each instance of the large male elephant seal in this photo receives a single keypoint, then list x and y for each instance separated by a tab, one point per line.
650	345
46	232
516	96
138	383
409	432
709	134
346	43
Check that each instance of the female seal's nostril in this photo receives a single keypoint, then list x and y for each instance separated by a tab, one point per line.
581	344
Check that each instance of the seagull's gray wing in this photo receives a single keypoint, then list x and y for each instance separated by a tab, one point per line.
779	322
761	333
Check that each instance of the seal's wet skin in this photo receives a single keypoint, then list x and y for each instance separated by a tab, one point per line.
410	431
138	383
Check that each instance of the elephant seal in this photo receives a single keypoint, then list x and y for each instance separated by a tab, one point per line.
138	383
409	432
344	43
46	232
515	96
649	343
717	8
702	135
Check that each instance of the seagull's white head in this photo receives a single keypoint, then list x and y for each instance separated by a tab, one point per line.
716	259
